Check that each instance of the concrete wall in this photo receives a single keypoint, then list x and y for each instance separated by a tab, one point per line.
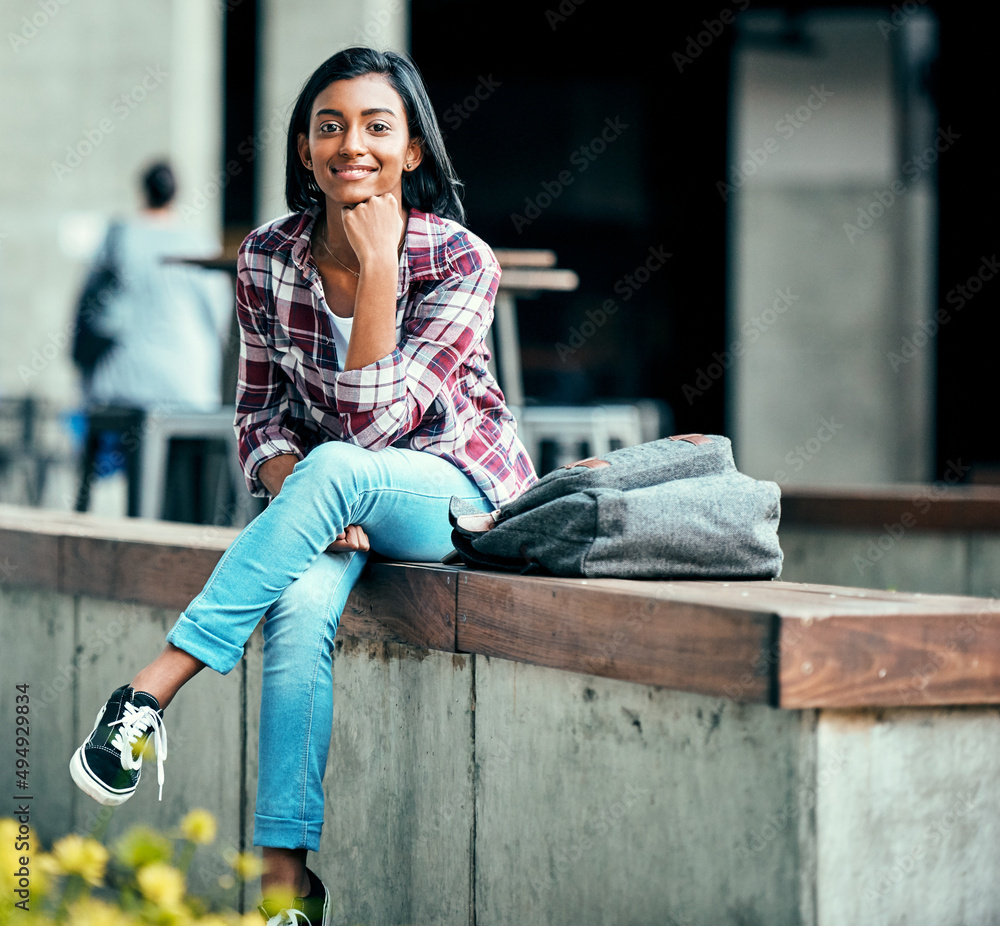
465	789
908	793
91	92
917	561
831	269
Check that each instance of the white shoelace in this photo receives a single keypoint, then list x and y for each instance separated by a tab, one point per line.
288	918
137	722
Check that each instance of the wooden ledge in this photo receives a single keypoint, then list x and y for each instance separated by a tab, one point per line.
937	506
781	643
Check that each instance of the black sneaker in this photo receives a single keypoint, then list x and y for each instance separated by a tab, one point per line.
108	764
313	910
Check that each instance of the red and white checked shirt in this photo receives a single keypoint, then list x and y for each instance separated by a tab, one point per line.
432	393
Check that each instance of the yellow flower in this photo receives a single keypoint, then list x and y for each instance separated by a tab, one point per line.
161	883
80	855
242	919
245	864
143	846
199	826
90	912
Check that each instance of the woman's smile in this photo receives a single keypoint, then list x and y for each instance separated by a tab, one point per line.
353	172
359	144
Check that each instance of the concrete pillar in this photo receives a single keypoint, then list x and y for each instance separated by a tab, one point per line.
296	39
832	213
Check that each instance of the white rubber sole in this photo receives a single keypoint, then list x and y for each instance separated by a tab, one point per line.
92	786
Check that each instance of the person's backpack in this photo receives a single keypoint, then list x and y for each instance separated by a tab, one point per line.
90	342
668	509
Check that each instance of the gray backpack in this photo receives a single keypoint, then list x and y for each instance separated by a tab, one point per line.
675	508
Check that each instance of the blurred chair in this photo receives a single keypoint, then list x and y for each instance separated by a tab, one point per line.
147	439
21	450
555	435
126	425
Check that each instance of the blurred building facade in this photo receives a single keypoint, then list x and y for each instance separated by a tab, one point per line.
755	143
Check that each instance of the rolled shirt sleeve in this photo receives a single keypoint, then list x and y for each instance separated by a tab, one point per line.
264	426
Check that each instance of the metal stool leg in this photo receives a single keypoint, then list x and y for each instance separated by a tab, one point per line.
87	473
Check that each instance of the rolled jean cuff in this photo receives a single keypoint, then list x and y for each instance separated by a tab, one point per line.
194	639
278	833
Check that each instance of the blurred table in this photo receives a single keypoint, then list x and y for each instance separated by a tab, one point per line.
525	274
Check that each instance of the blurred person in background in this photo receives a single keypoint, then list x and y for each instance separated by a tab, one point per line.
150	338
163	323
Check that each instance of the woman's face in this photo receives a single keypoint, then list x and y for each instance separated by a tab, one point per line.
358	144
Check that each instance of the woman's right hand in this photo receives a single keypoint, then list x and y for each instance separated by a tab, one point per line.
374	228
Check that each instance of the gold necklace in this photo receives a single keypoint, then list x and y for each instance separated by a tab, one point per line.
326	247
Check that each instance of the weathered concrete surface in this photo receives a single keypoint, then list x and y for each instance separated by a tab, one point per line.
909	830
464	789
984	565
912	561
73	652
37	631
204	733
604	802
397	838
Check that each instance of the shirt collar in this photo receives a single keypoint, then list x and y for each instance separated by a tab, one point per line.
422	258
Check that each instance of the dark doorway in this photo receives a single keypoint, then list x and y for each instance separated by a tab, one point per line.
586	128
521	87
968	284
239	141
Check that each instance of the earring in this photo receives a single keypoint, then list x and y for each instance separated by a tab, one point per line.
408	166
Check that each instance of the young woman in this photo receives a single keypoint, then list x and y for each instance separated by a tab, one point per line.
364	406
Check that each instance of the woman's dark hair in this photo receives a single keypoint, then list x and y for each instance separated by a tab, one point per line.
159	185
432	186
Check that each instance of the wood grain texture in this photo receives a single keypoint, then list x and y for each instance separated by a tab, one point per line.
930	658
29	559
524	257
786	643
634	631
403	603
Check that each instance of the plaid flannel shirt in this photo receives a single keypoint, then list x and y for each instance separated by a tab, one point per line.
432	393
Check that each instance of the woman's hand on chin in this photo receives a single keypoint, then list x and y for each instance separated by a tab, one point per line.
354	538
374	227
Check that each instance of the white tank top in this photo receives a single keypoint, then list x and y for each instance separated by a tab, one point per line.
341	337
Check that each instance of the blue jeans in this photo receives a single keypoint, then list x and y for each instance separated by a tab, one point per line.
277	568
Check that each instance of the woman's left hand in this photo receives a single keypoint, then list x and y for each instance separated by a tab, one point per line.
354	538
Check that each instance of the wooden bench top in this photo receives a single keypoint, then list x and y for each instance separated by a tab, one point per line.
781	643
